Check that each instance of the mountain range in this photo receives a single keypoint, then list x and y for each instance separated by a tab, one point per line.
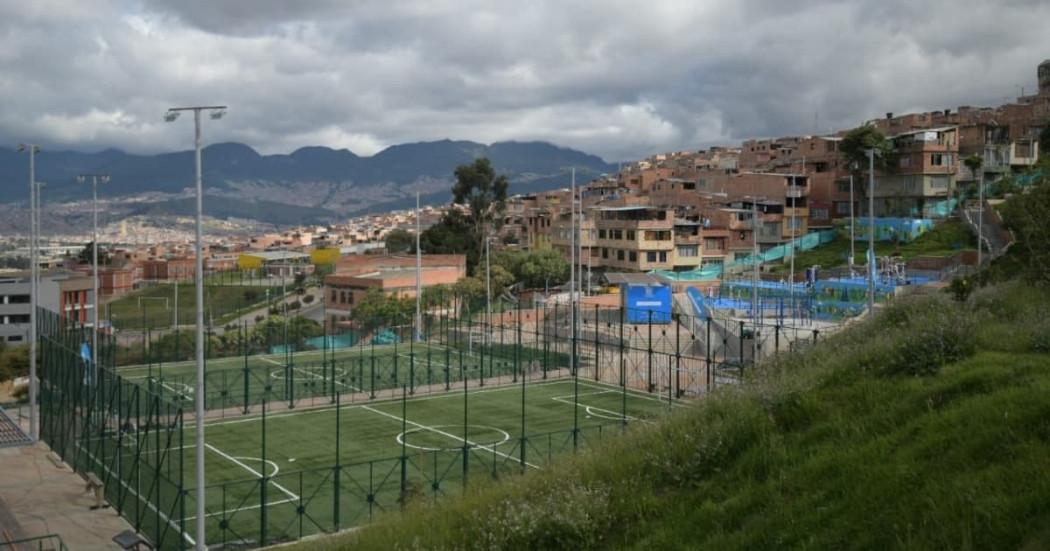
312	184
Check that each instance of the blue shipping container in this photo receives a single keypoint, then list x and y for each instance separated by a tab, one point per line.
641	300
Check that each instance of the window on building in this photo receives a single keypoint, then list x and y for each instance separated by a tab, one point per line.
663	256
601	234
843	187
617	234
605	252
941	159
842	208
630	235
819	214
713	244
14	338
632	256
651	256
619	254
335	295
18	318
688	251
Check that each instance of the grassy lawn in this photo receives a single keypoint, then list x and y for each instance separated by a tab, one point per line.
945	239
925	428
154	305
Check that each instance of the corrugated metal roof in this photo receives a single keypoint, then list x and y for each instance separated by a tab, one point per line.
633	278
278	255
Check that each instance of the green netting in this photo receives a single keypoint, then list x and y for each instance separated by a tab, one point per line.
780	252
308	441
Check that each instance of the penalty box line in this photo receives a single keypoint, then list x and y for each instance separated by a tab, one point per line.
291	496
420	426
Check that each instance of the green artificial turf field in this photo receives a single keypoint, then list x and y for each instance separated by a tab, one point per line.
302	471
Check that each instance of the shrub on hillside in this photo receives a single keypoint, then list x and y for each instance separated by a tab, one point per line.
924	334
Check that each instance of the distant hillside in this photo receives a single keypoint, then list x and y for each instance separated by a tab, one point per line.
325	182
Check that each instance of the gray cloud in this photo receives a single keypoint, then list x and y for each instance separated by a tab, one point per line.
617	78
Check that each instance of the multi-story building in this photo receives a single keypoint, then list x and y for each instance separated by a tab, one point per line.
393	274
168	268
635	238
925	174
561	237
65	292
788	192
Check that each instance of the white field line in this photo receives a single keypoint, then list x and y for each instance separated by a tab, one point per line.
339	353
630	392
399	419
221	513
450	394
616	414
256	473
246	508
186	392
148	503
316	376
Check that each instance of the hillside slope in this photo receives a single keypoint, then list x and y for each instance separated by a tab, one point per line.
926	428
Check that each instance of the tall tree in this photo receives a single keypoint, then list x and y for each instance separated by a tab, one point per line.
856	143
400	241
483	192
453	234
85	255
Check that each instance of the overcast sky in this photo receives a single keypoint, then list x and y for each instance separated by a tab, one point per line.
621	79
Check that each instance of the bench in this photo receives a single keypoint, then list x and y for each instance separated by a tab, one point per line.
129	539
94	484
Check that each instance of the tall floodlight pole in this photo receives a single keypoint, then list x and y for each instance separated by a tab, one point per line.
216	112
794	205
32	149
980	215
871	232
852	240
95	179
419	278
572	274
754	281
488	289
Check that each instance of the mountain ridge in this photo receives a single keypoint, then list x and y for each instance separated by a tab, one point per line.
327	182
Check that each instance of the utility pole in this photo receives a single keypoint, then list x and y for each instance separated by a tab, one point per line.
852	240
980	212
34	268
871	232
572	274
419	278
754	281
95	178
216	112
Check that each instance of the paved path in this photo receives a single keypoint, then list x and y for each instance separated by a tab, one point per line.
44	499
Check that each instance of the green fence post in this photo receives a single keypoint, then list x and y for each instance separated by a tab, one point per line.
651	385
404	444
623	373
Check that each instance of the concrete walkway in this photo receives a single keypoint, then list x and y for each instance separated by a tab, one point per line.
42	498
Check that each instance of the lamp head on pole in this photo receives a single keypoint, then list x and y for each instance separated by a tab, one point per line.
218	114
170	116
104	178
80	179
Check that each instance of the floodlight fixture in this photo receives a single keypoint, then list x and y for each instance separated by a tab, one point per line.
170	116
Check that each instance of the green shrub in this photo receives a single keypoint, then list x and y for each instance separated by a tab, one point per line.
925	334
